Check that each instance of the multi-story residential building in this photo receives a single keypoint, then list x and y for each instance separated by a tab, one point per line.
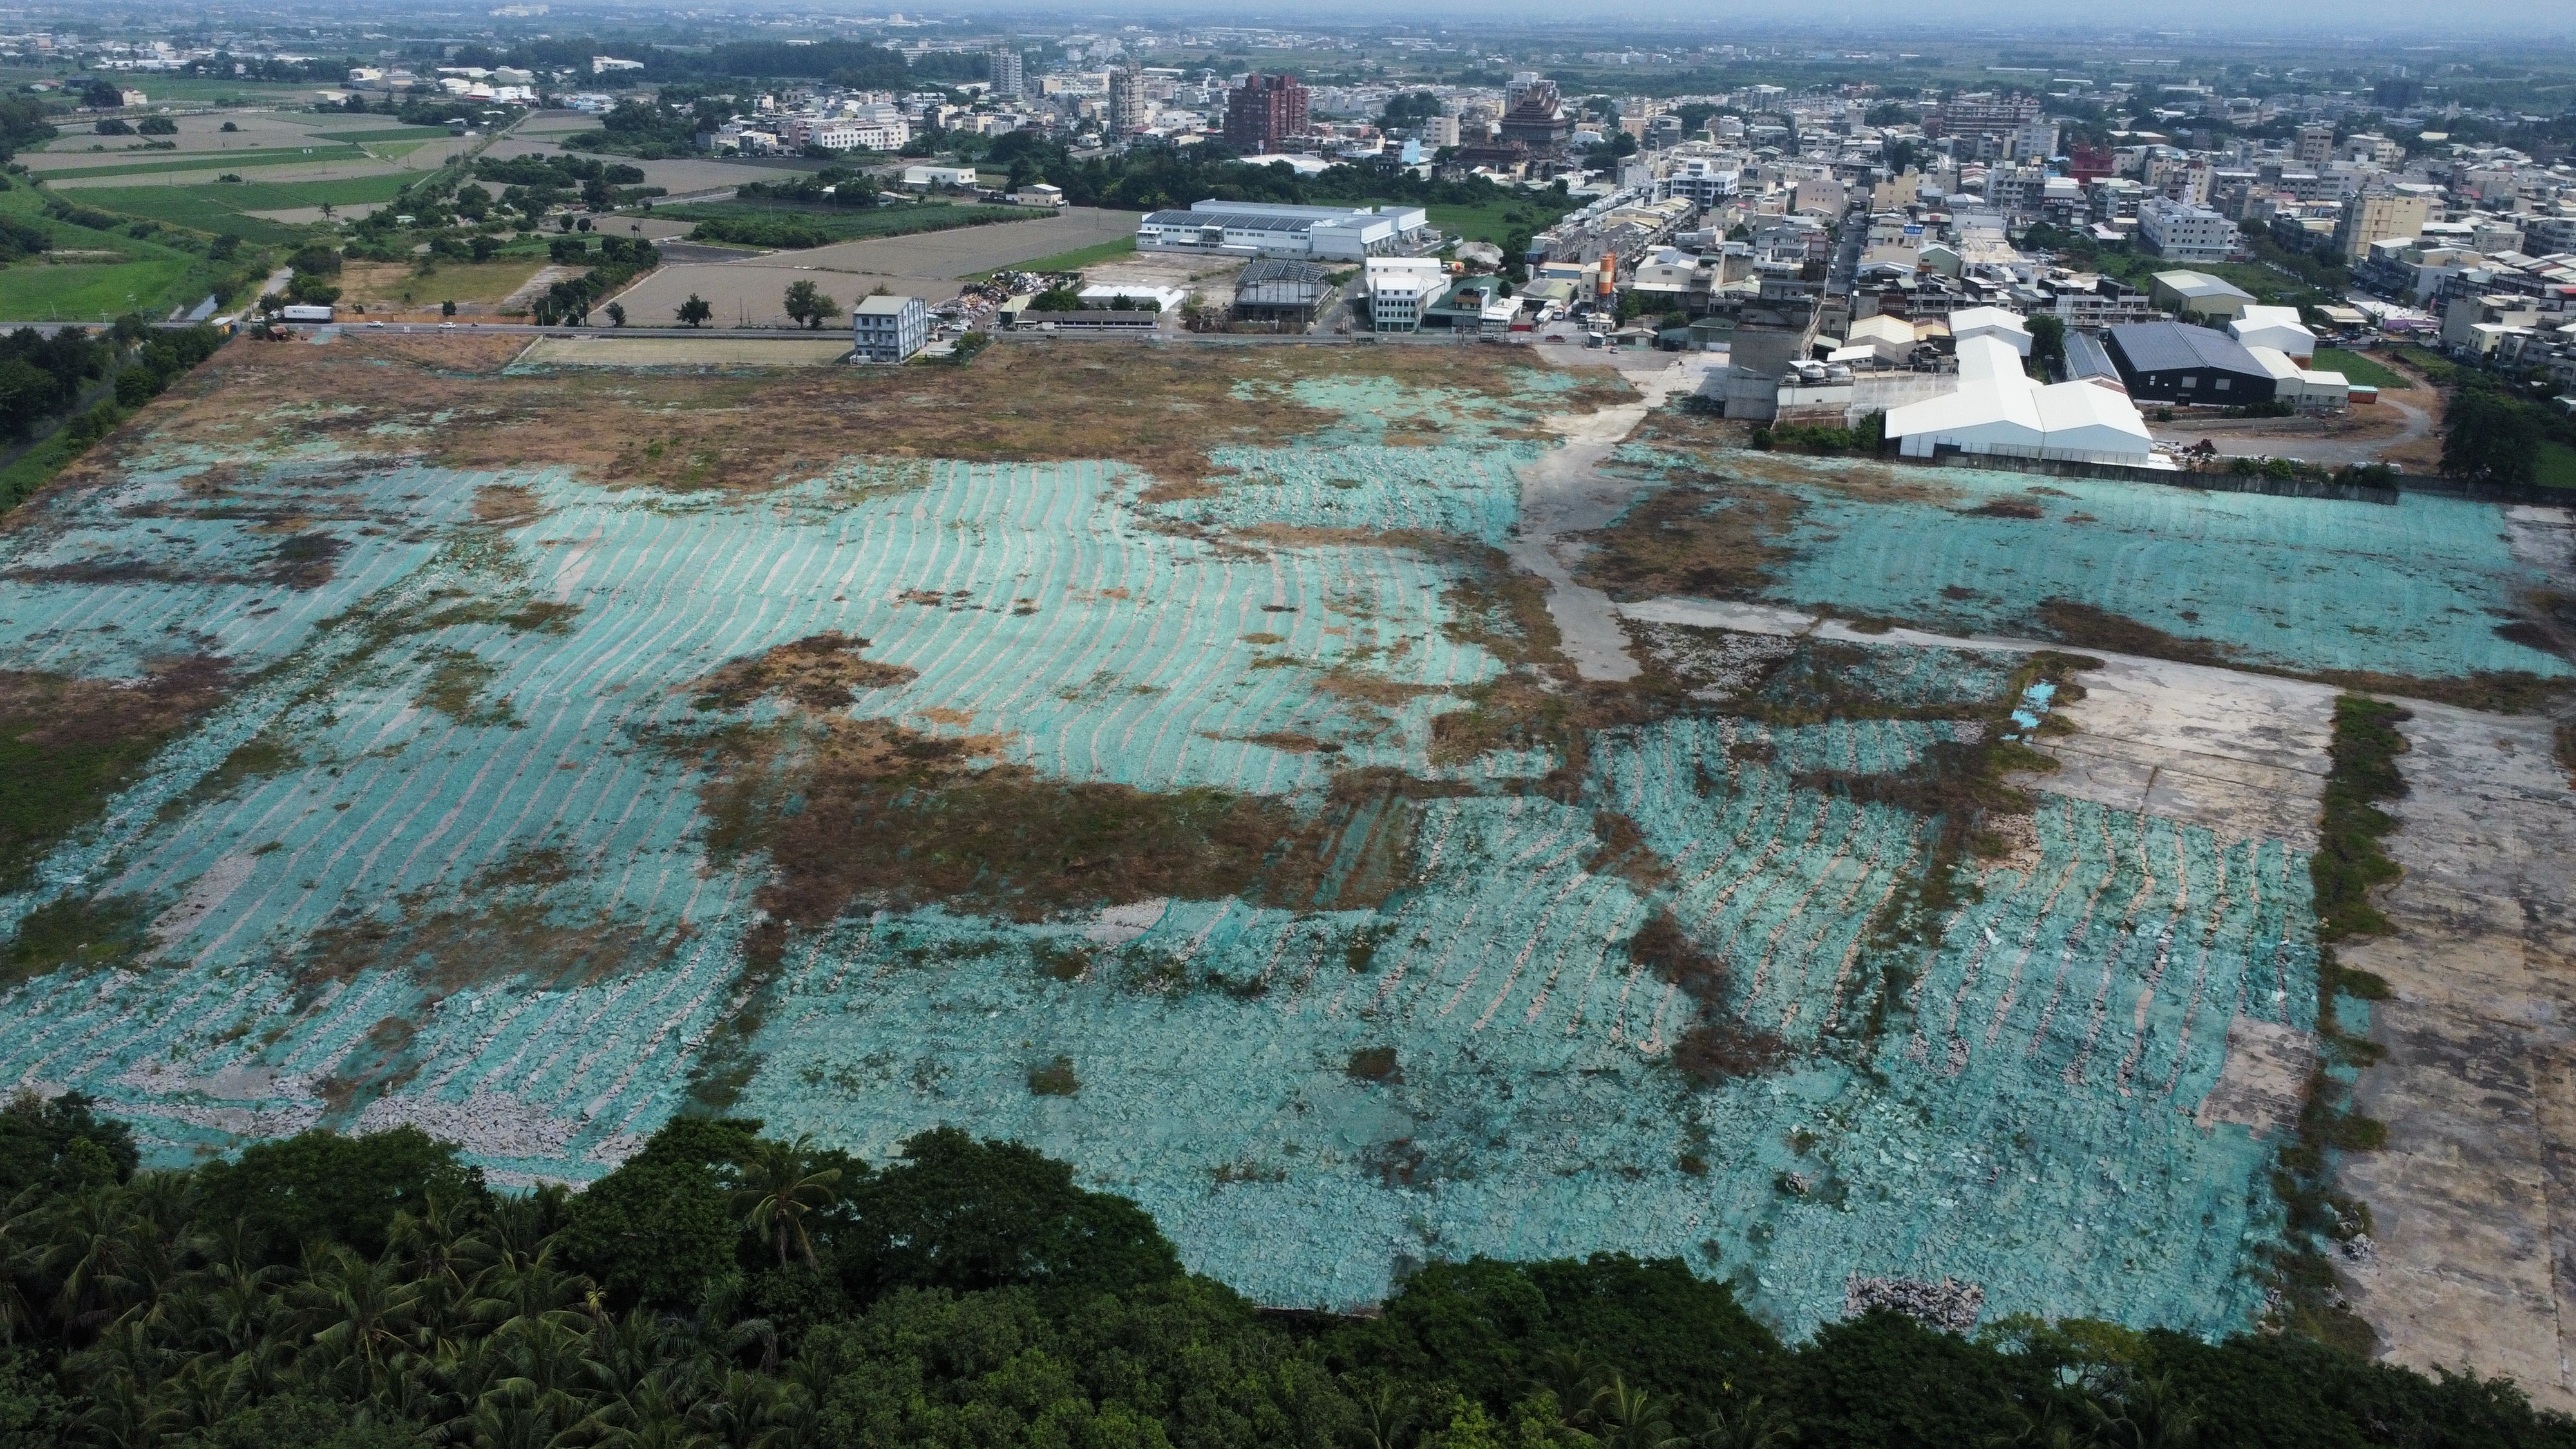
2032	140
2375	216
1009	80
2315	144
1126	98
888	329
1263	112
1703	180
1980	114
2185	233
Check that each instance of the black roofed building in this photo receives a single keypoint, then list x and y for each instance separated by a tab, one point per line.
2173	362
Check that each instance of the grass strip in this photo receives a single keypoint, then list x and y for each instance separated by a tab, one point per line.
213	161
2362	371
1072	261
2349	862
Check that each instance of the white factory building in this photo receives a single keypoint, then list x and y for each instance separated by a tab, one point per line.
2000	410
2278	328
1257	229
1399	288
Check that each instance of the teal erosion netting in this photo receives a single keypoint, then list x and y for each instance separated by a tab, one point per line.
481	749
2413	589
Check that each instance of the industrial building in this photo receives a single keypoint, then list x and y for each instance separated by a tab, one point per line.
888	329
2000	410
2174	362
2276	327
2198	294
1283	294
1257	229
1399	288
2304	388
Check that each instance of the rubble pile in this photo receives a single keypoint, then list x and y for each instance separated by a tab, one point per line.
1949	1304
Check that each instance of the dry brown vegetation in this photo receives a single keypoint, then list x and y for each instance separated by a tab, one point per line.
509	929
821	672
1156	409
68	745
1702	537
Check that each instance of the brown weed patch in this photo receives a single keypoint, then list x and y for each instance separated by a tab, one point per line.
1697	538
821	672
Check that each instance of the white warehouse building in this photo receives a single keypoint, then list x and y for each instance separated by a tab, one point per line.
2001	410
2278	328
1249	229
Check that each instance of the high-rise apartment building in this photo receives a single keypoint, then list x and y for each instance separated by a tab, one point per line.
1264	112
1983	114
1126	98
1006	75
2376	216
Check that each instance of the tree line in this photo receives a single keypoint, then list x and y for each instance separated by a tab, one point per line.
726	1288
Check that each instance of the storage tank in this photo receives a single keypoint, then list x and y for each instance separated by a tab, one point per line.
1609	274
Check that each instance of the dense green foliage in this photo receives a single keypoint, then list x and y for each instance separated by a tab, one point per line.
620	260
831	186
2491	436
797	228
41	376
725	1289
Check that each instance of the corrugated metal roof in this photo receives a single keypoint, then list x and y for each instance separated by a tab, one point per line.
1233	220
2175	347
2086	357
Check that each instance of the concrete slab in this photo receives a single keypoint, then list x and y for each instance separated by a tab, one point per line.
2243	755
2473	1200
2264	1080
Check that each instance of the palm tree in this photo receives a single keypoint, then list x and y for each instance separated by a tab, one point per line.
1386	1418
89	1252
2145	1413
1743	1426
2044	1422
1631	1418
365	1314
778	1191
1573	1378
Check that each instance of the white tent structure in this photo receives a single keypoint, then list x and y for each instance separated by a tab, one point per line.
2278	328
2000	410
1970	322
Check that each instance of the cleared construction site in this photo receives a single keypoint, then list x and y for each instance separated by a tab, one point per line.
1369	806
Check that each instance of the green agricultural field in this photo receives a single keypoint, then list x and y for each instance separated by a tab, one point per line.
2362	371
221	206
90	292
840	224
1492	221
1080	257
152	279
170	161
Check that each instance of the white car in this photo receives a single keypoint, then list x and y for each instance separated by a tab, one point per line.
446	326
375	324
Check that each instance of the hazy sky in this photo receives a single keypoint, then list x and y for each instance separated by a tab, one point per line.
2335	22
